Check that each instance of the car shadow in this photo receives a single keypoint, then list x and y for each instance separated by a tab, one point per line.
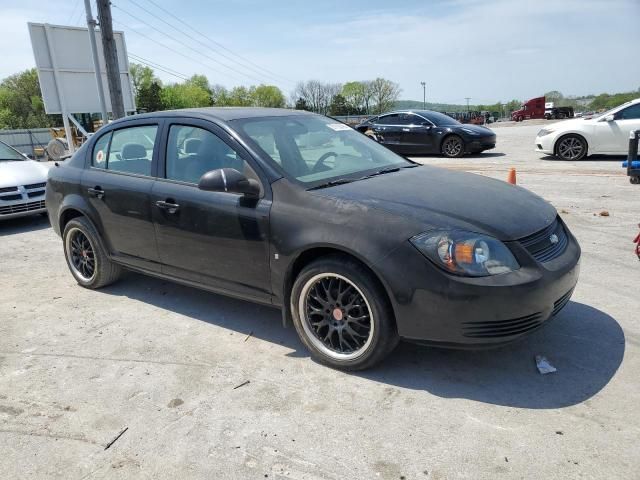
585	344
591	158
23	224
485	155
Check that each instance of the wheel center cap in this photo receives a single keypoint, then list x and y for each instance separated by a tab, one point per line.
337	314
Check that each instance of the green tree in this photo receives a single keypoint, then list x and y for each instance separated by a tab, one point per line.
268	96
21	104
301	104
338	106
355	94
185	95
149	97
141	76
241	96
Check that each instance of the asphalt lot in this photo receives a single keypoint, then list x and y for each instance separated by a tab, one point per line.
79	366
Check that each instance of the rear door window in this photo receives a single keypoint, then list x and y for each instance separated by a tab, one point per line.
131	150
100	151
392	119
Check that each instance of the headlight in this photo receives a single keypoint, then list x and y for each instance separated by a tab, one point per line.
469	131
544	132
466	253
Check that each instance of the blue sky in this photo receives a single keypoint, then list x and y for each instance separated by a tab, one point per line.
489	50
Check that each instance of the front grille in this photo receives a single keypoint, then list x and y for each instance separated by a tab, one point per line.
8	198
37	193
540	245
502	328
561	302
35	185
8	189
22	207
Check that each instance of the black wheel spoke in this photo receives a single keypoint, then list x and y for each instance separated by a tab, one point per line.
82	256
337	315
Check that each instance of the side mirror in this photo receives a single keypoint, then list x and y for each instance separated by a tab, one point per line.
229	180
609	118
426	124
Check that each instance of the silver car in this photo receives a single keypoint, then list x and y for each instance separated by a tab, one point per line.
22	183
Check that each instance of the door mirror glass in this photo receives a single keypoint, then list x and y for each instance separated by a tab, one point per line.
229	180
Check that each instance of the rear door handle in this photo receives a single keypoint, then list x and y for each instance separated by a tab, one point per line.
96	192
406	129
168	206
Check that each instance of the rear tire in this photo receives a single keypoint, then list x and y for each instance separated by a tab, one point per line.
453	146
342	314
86	258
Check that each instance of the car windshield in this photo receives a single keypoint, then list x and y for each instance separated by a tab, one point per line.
440	119
9	154
315	150
614	109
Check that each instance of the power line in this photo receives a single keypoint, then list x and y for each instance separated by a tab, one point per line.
218	43
169	48
150	63
179	30
184	44
74	13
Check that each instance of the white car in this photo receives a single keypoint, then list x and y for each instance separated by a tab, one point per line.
22	184
607	133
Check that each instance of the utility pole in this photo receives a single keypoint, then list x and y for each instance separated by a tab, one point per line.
424	94
110	58
467	99
91	23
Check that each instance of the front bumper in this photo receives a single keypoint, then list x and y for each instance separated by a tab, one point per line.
434	307
475	145
22	201
544	144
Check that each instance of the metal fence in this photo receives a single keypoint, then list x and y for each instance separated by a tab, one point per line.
351	119
26	140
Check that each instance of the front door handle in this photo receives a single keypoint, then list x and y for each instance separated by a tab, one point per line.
406	129
96	192
168	206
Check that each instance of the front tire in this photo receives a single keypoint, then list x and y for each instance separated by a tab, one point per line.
342	314
86	258
571	147
453	146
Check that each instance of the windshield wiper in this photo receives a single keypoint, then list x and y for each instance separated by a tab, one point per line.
338	181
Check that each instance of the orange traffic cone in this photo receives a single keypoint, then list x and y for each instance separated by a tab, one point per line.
511	178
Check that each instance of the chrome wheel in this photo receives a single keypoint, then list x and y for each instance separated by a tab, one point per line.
81	253
452	147
336	316
571	148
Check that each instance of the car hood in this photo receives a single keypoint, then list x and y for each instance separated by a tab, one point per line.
23	172
438	198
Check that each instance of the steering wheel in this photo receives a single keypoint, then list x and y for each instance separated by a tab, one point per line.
320	163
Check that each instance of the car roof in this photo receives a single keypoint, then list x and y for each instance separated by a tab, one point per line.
222	113
417	112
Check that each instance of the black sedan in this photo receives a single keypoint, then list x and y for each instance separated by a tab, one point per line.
419	132
358	246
